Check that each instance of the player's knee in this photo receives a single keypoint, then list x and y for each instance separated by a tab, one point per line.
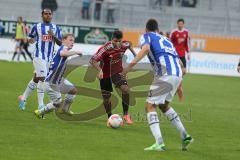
35	79
106	95
73	91
57	102
164	107
149	108
125	89
41	79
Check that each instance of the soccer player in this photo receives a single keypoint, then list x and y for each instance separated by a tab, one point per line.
20	37
168	76
55	83
110	57
238	68
180	39
46	34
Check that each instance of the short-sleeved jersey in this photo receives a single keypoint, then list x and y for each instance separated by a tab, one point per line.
111	58
162	55
44	41
20	31
57	67
180	40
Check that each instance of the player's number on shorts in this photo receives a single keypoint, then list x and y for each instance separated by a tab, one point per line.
167	46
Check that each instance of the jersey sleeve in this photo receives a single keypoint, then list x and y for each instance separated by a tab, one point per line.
172	37
33	32
145	39
187	42
58	33
98	56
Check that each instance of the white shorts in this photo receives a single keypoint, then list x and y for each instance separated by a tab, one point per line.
163	89
54	91
40	67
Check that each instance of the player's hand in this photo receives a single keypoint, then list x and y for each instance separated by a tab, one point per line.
50	32
238	69
184	71
100	74
189	56
79	53
31	40
125	72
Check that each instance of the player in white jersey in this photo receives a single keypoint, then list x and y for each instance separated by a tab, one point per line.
168	75
55	83
45	35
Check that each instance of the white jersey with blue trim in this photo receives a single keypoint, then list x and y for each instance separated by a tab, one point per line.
44	41
163	56
57	68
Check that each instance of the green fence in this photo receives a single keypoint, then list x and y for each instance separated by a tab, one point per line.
83	34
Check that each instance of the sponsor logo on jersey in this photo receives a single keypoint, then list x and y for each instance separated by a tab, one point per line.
47	38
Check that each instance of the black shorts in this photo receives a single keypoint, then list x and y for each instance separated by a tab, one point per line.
183	59
116	79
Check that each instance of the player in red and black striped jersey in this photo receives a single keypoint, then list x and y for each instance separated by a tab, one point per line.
110	57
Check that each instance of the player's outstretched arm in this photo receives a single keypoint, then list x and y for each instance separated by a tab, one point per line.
66	53
58	42
95	65
132	50
143	52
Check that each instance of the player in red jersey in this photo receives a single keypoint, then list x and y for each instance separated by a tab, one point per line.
110	57
180	39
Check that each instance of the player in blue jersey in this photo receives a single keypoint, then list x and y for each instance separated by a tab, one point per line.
44	35
55	84
168	75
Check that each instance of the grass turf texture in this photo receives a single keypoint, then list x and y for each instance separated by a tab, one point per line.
210	114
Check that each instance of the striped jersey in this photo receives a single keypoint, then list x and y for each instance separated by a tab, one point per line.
163	56
57	67
44	41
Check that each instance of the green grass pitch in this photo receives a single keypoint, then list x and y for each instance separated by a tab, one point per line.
210	113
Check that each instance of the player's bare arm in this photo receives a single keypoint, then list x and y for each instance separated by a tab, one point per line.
182	67
58	42
95	65
66	53
143	52
132	50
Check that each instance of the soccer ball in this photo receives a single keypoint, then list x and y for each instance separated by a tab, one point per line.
115	121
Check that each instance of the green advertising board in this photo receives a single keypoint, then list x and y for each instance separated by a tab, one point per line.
83	34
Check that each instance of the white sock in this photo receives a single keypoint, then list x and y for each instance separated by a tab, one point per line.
30	88
67	102
48	108
153	122
175	120
40	93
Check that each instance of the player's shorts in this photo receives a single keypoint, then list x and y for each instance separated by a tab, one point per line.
54	91
183	59
40	67
116	79
163	89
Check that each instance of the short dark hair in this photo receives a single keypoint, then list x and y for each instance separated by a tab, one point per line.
152	25
45	10
117	34
180	20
